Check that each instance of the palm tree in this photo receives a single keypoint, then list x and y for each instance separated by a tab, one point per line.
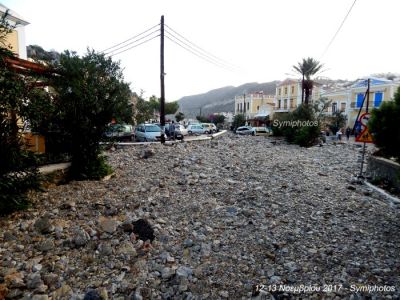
307	68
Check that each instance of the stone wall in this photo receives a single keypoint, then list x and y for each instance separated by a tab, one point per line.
382	168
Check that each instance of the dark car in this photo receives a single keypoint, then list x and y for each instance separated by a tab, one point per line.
120	132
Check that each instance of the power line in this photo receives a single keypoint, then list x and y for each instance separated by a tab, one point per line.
197	52
340	27
133	42
198	55
197	48
130	38
134	46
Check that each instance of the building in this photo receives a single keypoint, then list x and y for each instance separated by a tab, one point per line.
16	39
349	100
288	95
255	106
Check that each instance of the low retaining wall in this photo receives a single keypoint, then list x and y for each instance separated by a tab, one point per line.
381	168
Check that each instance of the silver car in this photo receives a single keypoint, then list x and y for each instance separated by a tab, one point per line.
196	129
148	133
245	130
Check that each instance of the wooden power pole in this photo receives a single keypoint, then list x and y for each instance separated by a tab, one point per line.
162	74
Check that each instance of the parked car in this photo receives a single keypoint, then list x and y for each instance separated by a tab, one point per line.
148	133
209	127
120	132
245	130
196	129
181	129
178	134
262	131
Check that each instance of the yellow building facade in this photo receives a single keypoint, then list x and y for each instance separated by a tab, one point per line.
254	105
288	95
349	101
16	39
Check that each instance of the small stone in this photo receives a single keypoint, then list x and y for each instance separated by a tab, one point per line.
105	249
223	294
81	237
8	236
40	297
64	292
108	225
92	295
34	280
167	273
188	243
15	280
3	291
46	245
37	268
43	225
183	271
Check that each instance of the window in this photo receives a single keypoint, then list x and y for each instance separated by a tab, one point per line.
292	89
285	104
279	91
378	99
360	98
258	107
291	103
285	90
238	107
334	107
248	105
342	107
279	103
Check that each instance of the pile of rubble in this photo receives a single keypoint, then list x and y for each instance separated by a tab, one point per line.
232	218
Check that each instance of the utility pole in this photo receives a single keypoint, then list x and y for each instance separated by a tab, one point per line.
162	74
244	108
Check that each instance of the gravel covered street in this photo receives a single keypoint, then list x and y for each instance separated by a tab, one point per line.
230	216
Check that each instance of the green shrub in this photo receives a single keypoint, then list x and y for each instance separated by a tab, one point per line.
300	127
18	172
384	127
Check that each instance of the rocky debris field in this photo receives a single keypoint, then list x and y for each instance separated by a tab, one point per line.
231	218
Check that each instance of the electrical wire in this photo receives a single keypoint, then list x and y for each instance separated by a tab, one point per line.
338	30
198	49
196	52
133	42
198	55
116	45
134	46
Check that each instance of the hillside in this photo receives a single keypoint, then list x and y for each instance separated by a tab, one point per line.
222	99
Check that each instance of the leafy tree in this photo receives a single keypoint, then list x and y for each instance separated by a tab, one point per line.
144	110
18	172
307	68
336	121
179	116
217	119
383	125
202	119
88	95
169	107
239	120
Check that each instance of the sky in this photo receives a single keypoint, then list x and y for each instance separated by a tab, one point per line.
261	39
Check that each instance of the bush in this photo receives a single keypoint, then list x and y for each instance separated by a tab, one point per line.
300	127
88	95
384	127
18	172
239	120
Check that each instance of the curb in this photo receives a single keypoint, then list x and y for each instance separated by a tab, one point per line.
48	169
